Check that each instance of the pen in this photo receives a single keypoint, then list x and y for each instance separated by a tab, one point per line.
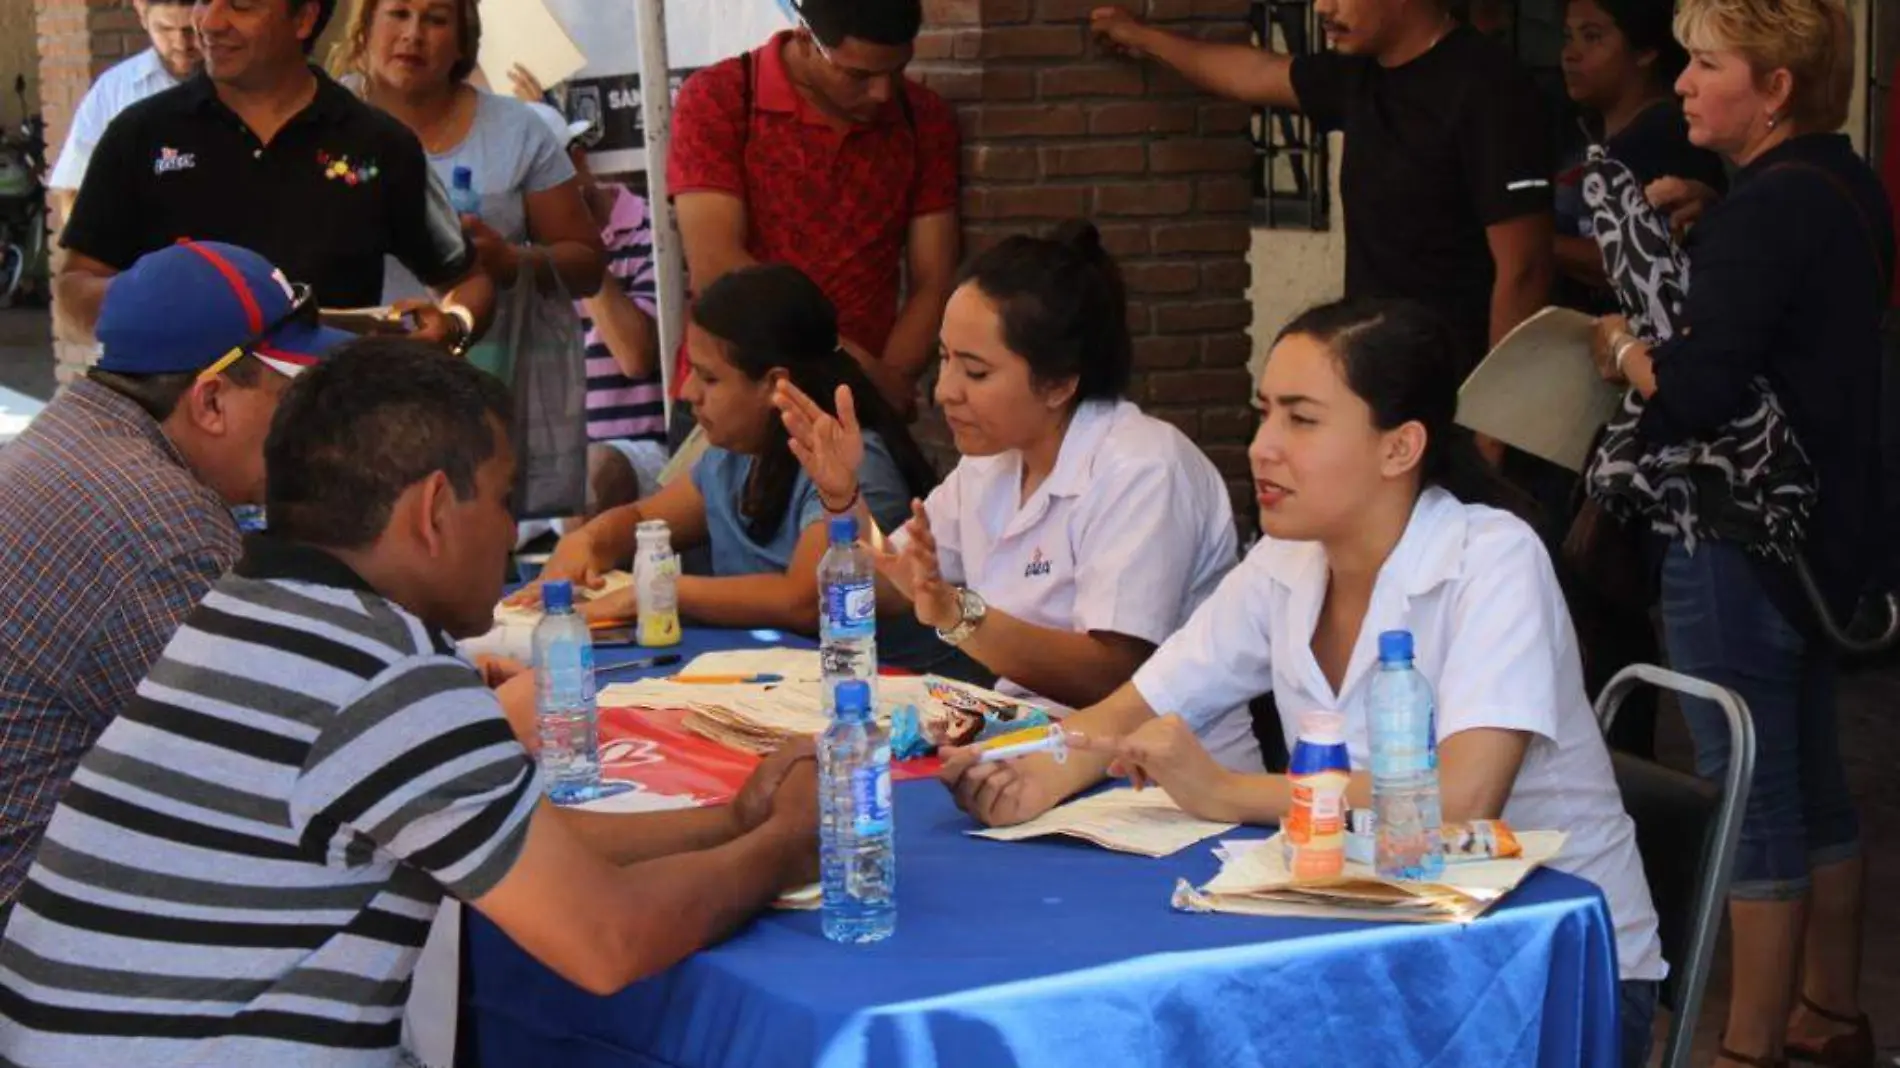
664	660
728	680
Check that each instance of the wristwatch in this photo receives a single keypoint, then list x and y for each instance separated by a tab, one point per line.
974	608
462	332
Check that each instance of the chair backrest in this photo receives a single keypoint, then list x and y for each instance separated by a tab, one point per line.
1686	831
1676	817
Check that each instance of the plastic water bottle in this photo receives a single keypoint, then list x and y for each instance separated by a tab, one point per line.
462	194
857	858
564	699
847	611
656	575
1404	766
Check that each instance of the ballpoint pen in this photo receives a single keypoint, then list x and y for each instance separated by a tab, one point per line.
664	660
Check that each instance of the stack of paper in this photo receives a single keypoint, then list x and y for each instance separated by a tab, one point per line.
792	665
611	582
1144	822
760	718
1257	882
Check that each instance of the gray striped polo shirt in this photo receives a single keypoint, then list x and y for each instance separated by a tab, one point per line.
245	866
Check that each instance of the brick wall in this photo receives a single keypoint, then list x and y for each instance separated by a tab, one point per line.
78	39
1054	128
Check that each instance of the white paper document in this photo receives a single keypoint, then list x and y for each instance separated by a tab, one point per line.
791	665
610	582
1540	391
1144	822
524	32
1258	882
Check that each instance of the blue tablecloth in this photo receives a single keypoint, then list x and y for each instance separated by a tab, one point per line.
1052	953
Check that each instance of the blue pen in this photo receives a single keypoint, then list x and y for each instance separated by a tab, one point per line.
729	680
666	660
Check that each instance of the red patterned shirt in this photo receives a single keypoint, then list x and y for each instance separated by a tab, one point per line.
109	541
836	204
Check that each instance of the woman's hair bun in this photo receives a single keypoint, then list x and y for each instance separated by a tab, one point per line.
1080	236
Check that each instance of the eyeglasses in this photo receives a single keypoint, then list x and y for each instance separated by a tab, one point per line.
303	308
858	74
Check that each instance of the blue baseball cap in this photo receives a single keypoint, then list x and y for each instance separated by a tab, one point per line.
200	304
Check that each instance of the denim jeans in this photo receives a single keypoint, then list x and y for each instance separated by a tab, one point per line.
1636	1004
1720	625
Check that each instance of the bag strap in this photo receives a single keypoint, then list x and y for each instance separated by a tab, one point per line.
1847	194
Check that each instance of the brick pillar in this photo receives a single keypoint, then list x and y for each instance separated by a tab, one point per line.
78	39
1055	128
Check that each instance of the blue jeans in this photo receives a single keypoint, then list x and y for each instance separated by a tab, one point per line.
1636	1005
1720	625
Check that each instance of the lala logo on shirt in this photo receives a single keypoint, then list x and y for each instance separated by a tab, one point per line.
1038	565
340	169
170	161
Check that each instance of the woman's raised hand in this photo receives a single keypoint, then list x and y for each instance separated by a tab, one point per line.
915	571
829	448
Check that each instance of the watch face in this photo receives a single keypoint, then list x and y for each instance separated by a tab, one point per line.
973	605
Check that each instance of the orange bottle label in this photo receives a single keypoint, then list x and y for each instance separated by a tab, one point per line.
1315	826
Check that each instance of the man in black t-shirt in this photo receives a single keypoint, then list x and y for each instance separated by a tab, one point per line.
266	152
1446	180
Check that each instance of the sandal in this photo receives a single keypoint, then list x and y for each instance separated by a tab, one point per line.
1727	1054
1854	1049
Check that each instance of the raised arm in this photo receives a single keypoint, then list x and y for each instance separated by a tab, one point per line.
1237	71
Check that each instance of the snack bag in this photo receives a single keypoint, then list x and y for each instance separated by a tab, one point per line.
1480	840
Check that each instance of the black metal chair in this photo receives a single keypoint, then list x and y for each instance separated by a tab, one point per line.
1686	830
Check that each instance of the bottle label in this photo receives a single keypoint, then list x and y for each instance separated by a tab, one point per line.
656	588
851	606
871	794
570	674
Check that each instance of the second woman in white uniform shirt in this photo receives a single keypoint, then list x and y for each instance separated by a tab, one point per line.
1076	533
1373	507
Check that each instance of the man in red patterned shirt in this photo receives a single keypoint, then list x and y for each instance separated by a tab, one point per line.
816	151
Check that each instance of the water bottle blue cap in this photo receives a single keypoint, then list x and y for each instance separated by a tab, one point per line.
854	698
1395	645
462	178
844	529
557	595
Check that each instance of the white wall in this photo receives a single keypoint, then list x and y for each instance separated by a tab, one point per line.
1296	269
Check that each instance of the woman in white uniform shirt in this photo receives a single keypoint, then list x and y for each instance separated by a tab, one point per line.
1372	503
1076	532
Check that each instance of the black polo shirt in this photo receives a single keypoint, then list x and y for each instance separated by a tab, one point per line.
1436	150
341	186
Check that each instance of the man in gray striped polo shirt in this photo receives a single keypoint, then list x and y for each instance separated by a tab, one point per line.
245	866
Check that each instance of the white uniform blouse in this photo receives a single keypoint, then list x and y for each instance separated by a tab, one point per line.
1129	533
118	88
1492	635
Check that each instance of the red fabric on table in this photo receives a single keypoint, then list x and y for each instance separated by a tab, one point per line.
665	758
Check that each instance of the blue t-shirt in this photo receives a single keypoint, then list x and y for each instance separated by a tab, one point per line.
720	477
510	152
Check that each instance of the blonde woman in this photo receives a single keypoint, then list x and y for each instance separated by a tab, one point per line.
413	59
1789	280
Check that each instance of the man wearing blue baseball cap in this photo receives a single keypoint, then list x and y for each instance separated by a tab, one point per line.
118	502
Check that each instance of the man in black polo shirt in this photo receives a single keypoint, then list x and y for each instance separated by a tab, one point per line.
1446	180
266	152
